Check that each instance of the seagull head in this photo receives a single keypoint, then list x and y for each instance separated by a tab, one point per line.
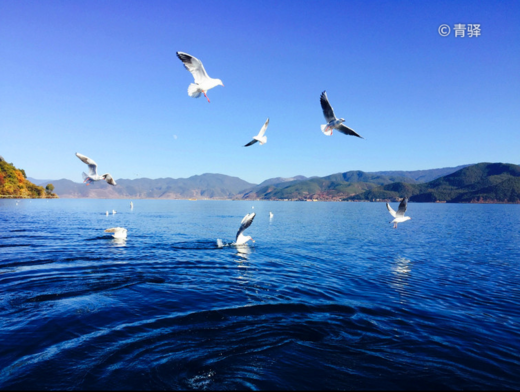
342	120
219	82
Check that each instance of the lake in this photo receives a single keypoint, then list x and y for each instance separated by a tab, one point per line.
329	296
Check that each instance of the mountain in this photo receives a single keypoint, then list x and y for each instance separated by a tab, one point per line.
466	183
333	187
480	183
280	180
423	175
14	184
205	186
337	186
268	185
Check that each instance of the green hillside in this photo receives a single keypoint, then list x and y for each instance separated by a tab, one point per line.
334	187
480	183
13	184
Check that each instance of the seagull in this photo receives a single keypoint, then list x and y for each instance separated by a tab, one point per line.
113	212
119	232
270	214
246	222
107	213
202	81
92	171
332	121
260	137
399	215
131	205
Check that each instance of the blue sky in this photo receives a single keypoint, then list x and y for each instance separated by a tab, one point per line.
102	78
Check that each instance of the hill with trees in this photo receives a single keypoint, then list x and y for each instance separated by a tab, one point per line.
480	183
14	184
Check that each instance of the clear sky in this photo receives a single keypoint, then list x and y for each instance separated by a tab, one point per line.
101	77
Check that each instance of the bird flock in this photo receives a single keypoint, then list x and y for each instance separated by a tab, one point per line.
202	84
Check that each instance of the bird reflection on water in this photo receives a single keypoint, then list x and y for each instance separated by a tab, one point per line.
243	251
118	242
401	270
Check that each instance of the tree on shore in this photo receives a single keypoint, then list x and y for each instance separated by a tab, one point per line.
49	188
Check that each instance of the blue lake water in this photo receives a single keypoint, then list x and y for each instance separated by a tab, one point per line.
329	296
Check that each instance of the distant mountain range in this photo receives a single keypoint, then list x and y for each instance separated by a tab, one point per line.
338	186
218	186
480	183
205	186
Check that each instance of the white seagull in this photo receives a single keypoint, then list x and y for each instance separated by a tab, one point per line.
260	137
202	81
246	222
119	232
92	171
271	215
399	215
332	121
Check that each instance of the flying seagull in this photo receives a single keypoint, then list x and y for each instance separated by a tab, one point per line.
246	222
260	137
399	215
332	121
202	81
119	232
92	171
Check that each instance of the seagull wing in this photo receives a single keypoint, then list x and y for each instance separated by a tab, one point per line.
194	65
114	229
402	207
328	112
251	143
109	179
347	131
246	222
262	131
92	166
391	210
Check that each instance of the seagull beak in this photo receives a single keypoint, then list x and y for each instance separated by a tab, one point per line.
252	240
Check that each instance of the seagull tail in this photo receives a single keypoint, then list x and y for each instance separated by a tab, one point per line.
84	175
193	90
328	132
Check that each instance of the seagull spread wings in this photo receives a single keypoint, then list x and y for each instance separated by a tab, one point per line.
390	210
194	65
402	207
348	131
400	211
260	137
246	222
92	166
328	112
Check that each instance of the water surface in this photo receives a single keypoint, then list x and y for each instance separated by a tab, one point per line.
329	296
